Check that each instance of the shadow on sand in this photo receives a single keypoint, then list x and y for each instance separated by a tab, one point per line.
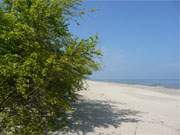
89	114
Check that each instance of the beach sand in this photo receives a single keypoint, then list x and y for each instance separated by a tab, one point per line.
120	109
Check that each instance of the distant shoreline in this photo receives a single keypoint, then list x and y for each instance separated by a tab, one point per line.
139	82
161	89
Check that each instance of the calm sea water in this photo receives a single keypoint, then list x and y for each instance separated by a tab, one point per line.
168	83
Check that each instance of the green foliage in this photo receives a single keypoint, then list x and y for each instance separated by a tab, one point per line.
41	65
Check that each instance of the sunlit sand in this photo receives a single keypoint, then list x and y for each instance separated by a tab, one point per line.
120	109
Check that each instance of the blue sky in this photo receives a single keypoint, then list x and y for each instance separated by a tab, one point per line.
139	39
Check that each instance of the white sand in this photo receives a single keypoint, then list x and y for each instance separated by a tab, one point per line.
119	109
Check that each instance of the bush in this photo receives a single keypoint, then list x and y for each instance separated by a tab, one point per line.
41	65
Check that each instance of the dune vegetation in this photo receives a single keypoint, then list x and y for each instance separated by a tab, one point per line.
42	64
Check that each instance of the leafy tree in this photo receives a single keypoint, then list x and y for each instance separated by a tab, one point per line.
42	65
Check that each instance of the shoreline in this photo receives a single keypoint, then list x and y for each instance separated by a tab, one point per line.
161	89
138	84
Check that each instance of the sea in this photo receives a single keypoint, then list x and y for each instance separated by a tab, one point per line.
167	83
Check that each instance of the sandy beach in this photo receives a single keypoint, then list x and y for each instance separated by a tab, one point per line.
120	109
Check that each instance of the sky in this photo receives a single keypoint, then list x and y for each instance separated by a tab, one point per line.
139	39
